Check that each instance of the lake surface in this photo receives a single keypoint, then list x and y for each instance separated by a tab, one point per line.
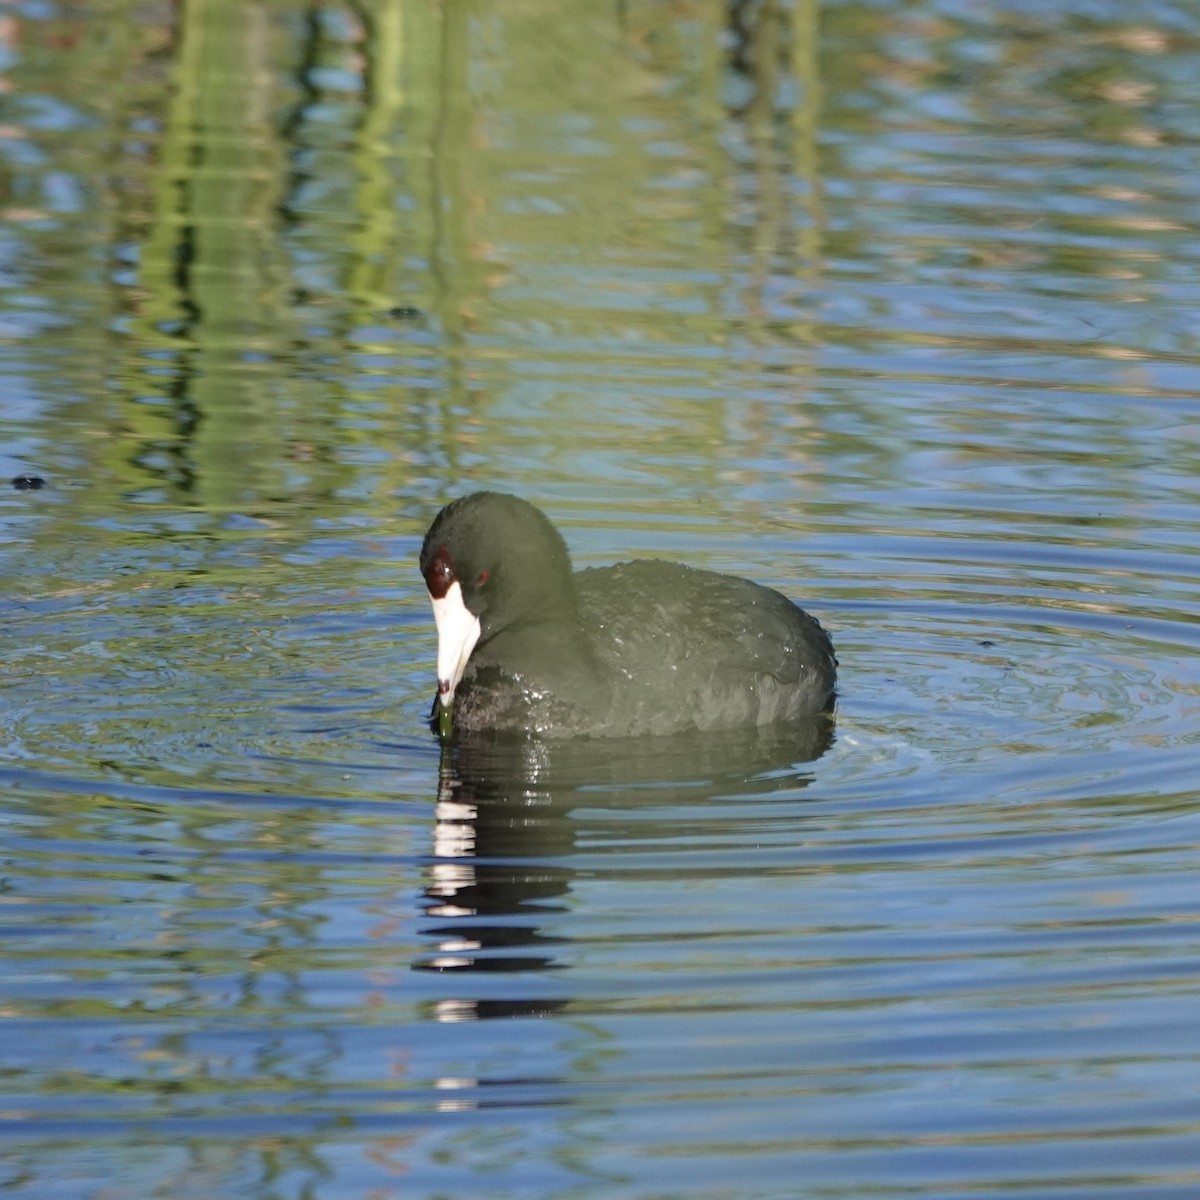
892	306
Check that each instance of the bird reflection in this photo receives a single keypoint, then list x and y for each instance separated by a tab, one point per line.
507	819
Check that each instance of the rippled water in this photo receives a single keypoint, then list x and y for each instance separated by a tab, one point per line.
891	306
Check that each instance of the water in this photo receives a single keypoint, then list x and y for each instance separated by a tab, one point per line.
889	306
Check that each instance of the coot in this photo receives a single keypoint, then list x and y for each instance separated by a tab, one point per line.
644	647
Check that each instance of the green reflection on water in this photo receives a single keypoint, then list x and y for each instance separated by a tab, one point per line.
346	247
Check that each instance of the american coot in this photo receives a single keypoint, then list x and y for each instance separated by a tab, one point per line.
642	647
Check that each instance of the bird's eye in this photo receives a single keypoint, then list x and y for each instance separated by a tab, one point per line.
439	574
482	578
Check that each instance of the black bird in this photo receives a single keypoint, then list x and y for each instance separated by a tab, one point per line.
645	647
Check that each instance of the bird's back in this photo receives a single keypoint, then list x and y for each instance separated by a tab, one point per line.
689	648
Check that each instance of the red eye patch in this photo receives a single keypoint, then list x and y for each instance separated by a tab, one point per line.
439	574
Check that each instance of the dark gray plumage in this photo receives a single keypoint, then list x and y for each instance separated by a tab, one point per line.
643	647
